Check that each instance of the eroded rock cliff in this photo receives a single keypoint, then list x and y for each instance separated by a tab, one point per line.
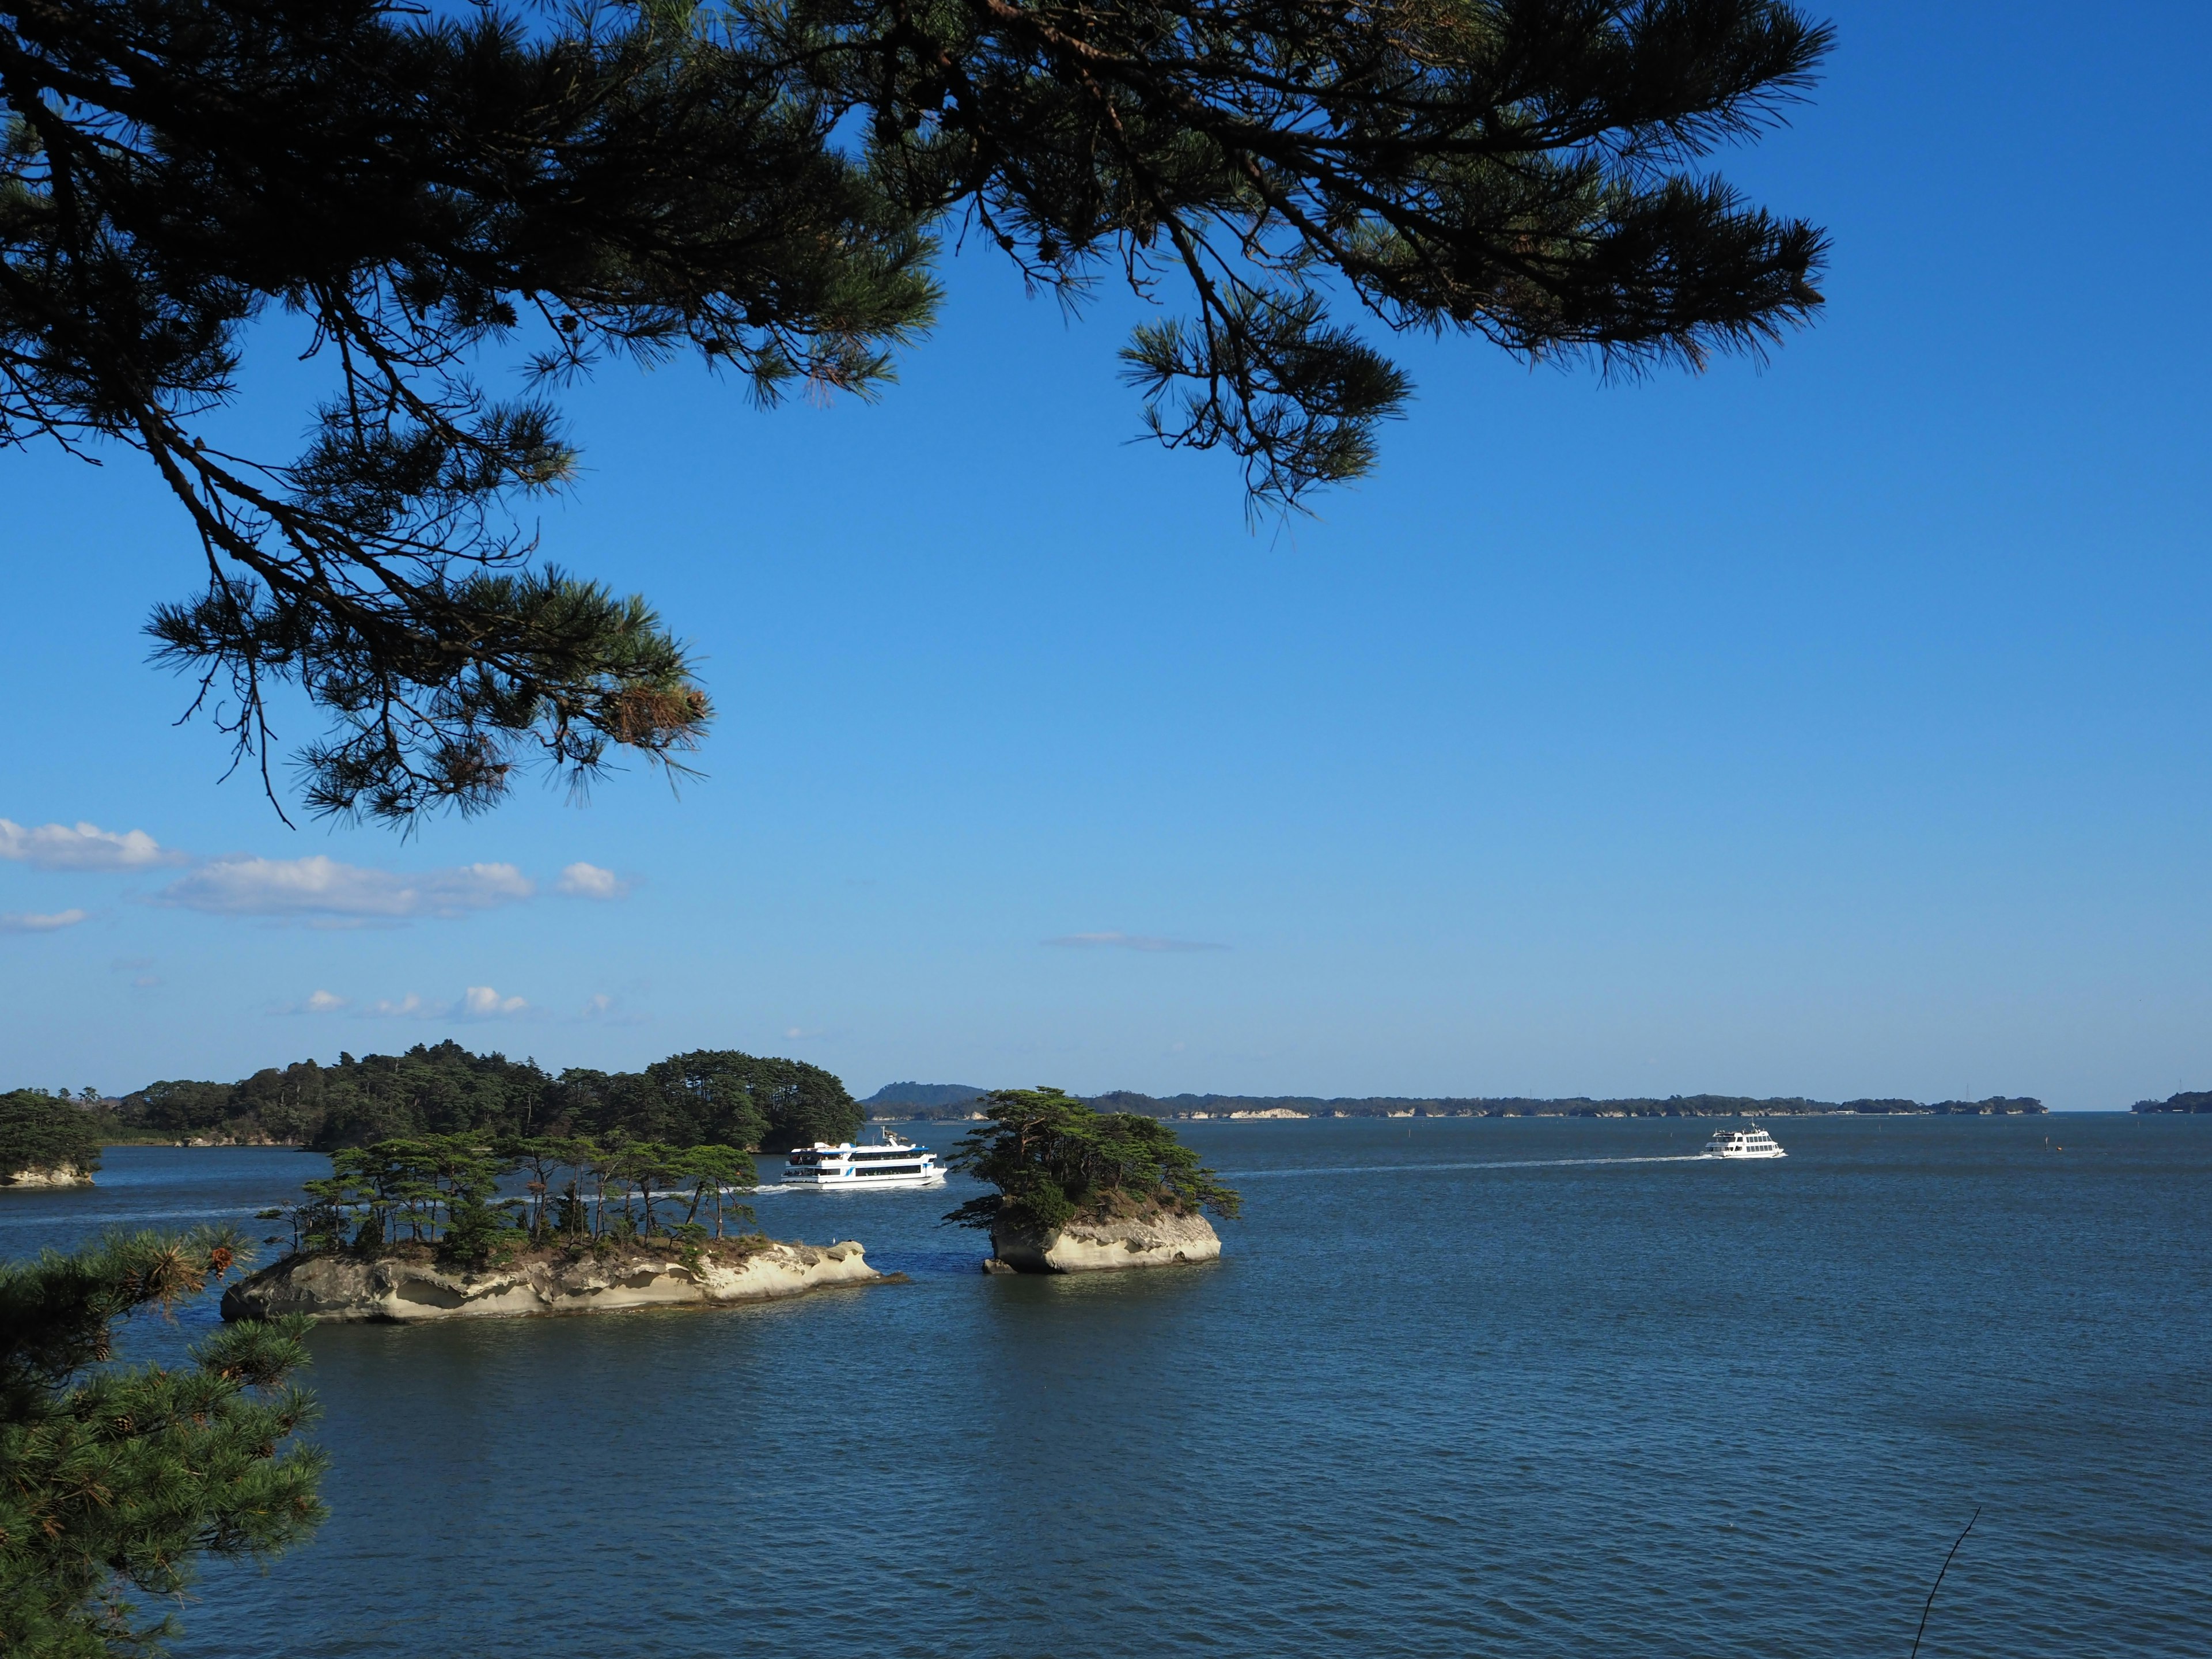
1156	1238
62	1175
400	1288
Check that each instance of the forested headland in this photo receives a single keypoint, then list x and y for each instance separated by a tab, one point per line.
707	1097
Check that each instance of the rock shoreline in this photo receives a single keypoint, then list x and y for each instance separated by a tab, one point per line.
1159	1239
59	1174
398	1289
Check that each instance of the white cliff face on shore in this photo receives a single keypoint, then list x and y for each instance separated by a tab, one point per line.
1157	1240
60	1174
394	1288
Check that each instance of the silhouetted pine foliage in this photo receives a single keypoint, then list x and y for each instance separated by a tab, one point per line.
760	184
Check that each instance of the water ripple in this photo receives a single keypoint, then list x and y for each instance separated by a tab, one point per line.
1539	1395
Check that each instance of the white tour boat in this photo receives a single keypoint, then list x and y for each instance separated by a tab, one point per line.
1754	1142
847	1168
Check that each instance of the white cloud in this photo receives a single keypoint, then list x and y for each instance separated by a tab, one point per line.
81	846
477	1002
27	922
482	1002
147	982
581	880
1132	942
321	886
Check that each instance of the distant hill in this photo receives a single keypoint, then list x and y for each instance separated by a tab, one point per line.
927	1096
1578	1106
2201	1102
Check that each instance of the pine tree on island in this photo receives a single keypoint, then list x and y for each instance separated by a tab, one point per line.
1079	1189
432	1226
47	1140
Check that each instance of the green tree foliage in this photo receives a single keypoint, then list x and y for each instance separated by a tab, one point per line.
758	183
119	1479
285	1104
719	1094
180	1107
442	1089
40	1131
710	1095
446	1191
1055	1159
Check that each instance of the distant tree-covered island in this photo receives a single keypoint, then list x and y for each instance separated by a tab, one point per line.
925	1097
704	1097
2200	1101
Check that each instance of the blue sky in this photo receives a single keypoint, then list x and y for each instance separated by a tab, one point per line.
1839	727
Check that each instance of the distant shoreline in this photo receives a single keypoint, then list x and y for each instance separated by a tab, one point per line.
1285	1108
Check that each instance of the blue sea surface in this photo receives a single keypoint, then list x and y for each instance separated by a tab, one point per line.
1502	1388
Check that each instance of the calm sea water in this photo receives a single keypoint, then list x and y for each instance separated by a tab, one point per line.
1459	1387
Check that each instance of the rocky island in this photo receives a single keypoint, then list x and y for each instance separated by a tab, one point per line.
53	1175
1157	1238
1081	1191
45	1140
409	1284
432	1227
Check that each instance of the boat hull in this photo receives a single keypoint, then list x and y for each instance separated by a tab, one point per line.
861	1183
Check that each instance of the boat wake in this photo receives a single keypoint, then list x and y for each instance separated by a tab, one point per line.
1438	1169
132	1218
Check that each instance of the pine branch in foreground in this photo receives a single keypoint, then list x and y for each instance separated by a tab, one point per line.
758	186
120	1478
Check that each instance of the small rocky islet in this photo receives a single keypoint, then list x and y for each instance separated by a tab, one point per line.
411	1285
1161	1238
1078	1190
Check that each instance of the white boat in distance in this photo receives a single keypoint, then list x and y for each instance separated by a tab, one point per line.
1754	1142
847	1168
